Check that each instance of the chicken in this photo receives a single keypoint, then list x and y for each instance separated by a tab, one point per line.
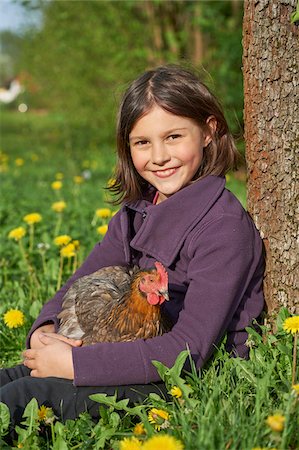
116	304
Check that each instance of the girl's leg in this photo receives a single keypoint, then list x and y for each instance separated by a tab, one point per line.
66	400
8	375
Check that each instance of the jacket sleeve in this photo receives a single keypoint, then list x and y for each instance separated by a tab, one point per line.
109	252
225	277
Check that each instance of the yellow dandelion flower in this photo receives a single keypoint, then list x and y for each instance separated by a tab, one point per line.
3	157
19	162
86	164
34	157
130	444
59	176
78	179
139	429
296	388
3	168
68	251
56	185
32	218
3	162
158	418
58	206
63	239
103	213
291	324
76	244
20	445
163	441
102	229
176	392
14	318
276	422
42	412
111	182
264	448
17	233
45	414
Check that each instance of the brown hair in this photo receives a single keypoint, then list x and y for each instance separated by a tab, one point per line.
179	91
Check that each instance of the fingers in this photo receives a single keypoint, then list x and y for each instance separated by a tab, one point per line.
29	354
30	363
34	373
75	342
59	337
29	359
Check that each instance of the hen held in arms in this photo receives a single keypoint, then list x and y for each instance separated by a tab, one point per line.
116	304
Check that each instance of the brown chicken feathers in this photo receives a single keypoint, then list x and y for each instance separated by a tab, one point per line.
116	304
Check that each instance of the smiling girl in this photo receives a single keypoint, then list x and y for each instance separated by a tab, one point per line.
174	148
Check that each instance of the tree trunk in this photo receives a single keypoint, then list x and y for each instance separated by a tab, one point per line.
156	32
196	34
271	113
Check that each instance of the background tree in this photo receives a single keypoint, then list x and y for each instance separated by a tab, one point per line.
10	44
85	52
271	79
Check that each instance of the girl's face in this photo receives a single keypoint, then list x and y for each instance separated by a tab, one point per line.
167	150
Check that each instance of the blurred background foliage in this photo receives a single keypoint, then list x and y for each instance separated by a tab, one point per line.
76	63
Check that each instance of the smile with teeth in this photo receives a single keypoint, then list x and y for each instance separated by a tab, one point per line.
165	173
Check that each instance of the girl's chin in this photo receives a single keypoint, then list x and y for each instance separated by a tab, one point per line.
166	193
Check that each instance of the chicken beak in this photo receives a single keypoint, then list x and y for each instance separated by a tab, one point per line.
165	295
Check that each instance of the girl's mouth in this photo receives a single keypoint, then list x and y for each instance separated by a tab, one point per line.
165	173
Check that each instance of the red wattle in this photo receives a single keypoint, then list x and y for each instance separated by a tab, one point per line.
153	299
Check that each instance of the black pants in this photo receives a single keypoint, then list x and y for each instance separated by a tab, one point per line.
66	400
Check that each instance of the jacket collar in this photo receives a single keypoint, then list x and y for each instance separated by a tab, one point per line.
167	225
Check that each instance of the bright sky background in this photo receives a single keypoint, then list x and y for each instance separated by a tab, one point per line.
14	17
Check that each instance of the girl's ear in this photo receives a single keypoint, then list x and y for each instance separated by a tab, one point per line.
210	130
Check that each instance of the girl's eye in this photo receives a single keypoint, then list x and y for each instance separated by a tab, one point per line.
172	137
141	143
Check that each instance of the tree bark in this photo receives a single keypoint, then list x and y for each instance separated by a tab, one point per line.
198	45
271	113
156	32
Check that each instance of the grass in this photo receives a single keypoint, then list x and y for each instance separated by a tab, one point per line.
226	406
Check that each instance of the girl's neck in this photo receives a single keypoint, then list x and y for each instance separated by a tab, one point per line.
156	198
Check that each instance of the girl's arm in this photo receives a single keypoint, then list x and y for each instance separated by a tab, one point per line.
225	273
107	253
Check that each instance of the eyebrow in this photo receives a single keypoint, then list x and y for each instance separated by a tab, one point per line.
131	138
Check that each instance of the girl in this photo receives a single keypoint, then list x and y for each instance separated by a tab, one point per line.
174	148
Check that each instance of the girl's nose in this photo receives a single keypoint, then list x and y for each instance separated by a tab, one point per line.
159	154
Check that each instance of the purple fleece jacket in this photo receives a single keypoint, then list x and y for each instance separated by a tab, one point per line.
213	256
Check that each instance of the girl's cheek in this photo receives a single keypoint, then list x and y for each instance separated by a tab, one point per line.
139	161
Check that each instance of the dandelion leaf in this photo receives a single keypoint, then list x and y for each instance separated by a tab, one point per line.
60	444
282	316
111	401
177	368
31	410
4	419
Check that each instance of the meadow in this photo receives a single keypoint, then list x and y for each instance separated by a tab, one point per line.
53	210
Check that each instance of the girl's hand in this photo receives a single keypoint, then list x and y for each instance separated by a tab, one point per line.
53	359
35	342
49	330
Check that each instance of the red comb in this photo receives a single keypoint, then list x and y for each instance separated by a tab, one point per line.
162	272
